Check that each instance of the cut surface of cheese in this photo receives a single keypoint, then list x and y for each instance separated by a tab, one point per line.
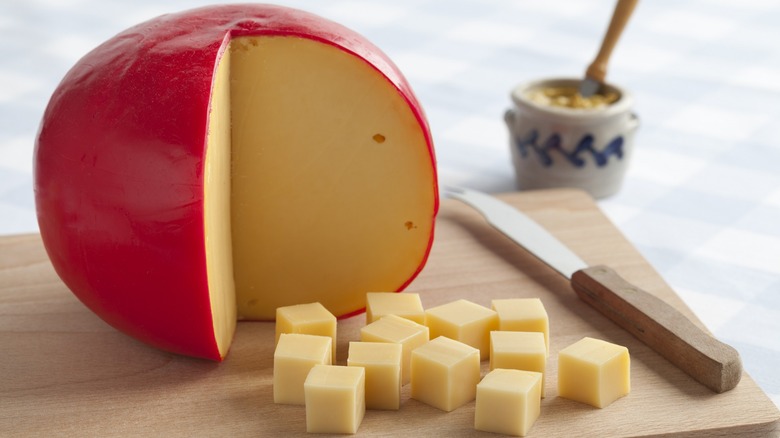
594	371
309	319
463	321
382	361
519	351
335	399
406	305
216	218
331	182
523	315
508	402
398	330
295	355
445	373
318	169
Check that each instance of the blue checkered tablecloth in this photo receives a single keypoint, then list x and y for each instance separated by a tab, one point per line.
702	196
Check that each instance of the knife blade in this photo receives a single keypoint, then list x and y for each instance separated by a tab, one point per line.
663	328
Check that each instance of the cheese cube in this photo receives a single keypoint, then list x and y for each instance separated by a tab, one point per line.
445	373
523	315
405	305
335	399
399	330
519	351
310	319
294	357
463	321
382	362
508	402
593	371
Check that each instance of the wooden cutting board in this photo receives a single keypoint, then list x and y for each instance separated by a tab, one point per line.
63	372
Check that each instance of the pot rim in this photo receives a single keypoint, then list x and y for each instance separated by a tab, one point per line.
623	105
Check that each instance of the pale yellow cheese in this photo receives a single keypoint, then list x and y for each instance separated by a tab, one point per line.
508	402
382	362
519	351
216	211
332	184
523	315
399	330
294	357
406	305
463	321
594	371
335	399
310	318
445	373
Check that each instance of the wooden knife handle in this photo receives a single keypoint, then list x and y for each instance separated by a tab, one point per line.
598	68
662	327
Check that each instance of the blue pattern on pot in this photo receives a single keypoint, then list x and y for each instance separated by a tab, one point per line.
584	146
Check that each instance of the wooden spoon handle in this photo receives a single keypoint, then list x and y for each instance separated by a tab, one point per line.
662	327
598	69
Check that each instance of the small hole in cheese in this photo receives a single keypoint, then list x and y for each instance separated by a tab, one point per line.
379	138
409	225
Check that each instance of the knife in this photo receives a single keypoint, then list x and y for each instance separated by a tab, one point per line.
663	328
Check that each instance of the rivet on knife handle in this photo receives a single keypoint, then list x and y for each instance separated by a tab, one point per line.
660	326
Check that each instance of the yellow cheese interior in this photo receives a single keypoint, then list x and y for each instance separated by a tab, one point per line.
445	373
398	330
508	402
405	305
219	256
295	355
523	315
335	399
463	321
320	172
593	371
332	185
382	362
310	319
518	351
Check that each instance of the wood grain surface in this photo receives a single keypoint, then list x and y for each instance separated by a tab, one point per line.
64	372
